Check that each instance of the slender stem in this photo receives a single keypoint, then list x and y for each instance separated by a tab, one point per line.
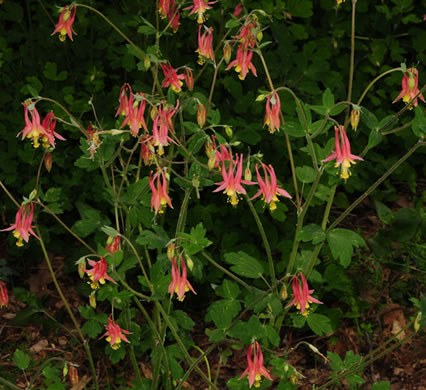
374	82
9	385
225	271
376	184
68	309
182	345
317	248
398	129
180	226
132	350
264	239
209	374
352	61
287	139
9	194
67	228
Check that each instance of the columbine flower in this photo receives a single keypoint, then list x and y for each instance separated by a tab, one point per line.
93	140
243	63
64	25
22	227
238	9
269	188
159	198
272	117
113	244
342	154
135	114
201	115
123	107
231	185
174	16
147	150
189	79
205	45
115	334
179	283
163	8
171	78
302	295
4	298
40	131
200	7
98	273
255	368
161	125
410	82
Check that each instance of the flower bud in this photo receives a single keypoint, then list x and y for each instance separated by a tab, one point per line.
73	375
211	162
247	174
259	36
189	79
48	161
260	98
33	194
4	298
171	250
92	300
189	262
355	113
228	131
201	115
81	268
283	293
411	81
146	63
227	51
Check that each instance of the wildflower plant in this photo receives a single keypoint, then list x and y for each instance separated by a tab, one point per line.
172	144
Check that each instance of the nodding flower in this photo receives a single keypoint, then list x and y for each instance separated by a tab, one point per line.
272	116
160	197
171	78
199	7
64	25
269	188
342	153
205	45
115	334
179	283
98	273
22	227
302	295
243	63
231	183
4	298
410	82
255	368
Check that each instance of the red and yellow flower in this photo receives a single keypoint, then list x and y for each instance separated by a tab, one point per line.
273	110
22	227
98	273
302	295
115	334
410	82
64	25
4	297
179	283
160	197
255	368
171	78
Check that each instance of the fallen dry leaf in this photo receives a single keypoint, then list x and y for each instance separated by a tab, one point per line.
38	347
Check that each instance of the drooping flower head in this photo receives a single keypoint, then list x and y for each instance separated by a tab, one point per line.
163	8
93	140
22	227
410	82
123	98
64	25
231	183
179	283
199	7
302	295
171	78
147	150
160	197
243	63
189	79
355	116
174	16
205	45
342	153
37	131
4	297
161	125
98	274
269	188
113	244
115	334
255	368
135	114
273	110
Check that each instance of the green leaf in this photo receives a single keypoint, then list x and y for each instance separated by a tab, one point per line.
341	242
109	231
328	99
300	8
319	324
231	23
294	129
405	224
244	265
197	240
336	362
92	328
222	312
272	335
85	227
305	174
153	240
312	232
53	194
146	30
228	289
384	213
382	385
419	122
183	320
374	138
21	359
369	119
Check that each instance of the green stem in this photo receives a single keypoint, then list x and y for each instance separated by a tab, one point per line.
225	271
9	194
182	213
352	61
182	345
68	309
375	185
132	350
209	374
287	139
9	385
264	239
